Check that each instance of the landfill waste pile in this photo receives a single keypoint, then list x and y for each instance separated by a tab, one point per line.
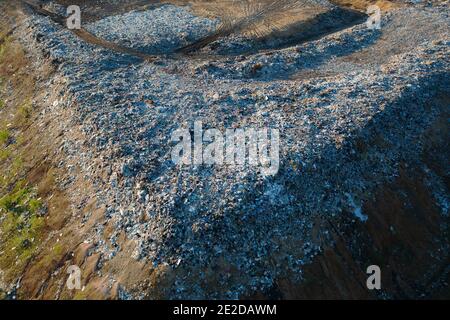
355	115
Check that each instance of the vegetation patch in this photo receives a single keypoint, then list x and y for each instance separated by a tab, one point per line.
21	209
23	113
31	205
20	224
4	136
3	48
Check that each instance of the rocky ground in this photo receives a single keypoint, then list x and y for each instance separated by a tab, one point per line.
360	115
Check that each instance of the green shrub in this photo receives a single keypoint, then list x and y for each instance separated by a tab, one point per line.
4	136
20	226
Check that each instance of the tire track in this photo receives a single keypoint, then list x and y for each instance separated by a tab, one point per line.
86	35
